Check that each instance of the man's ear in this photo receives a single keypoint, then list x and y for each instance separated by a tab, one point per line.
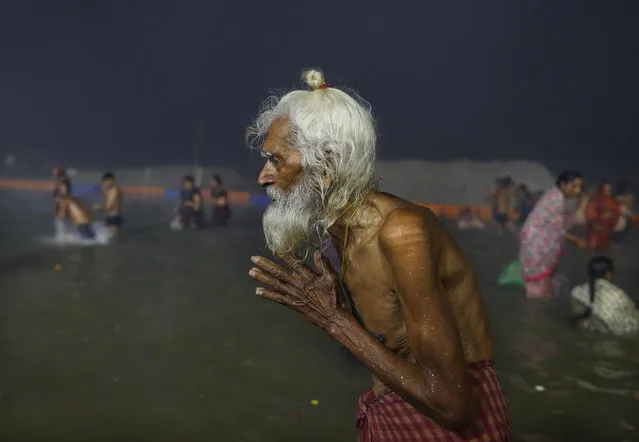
327	176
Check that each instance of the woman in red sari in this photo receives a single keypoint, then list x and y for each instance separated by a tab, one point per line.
602	215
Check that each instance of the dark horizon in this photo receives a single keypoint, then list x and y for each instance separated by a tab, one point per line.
99	84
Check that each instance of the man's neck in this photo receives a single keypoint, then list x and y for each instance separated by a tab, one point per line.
353	220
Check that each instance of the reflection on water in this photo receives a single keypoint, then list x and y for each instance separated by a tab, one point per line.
159	337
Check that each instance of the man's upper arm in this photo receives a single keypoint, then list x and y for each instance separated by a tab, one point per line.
412	253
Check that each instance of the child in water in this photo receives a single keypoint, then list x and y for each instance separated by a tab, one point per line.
599	305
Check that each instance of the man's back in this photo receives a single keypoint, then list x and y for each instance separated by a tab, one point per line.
78	212
373	287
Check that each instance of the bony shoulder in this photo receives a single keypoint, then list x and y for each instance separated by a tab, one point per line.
404	224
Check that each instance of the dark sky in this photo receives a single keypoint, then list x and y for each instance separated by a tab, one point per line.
114	83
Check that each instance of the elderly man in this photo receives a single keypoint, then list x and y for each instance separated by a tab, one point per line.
409	307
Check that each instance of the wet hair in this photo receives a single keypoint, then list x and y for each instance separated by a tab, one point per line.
622	188
108	176
598	268
188	179
567	177
217	178
335	131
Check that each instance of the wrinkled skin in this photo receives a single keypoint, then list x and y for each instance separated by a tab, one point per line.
411	283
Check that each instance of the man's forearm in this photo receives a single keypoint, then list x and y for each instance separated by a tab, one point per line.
407	379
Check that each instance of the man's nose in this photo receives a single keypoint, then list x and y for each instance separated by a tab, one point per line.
265	178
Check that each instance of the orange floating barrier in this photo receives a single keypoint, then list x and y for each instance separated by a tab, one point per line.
154	191
239	198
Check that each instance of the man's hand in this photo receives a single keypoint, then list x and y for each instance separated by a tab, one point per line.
578	242
316	295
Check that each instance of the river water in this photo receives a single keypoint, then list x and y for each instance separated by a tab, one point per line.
160	338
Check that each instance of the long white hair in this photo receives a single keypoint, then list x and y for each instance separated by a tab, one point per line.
335	132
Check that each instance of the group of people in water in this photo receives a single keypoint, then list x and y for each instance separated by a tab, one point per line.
188	213
68	207
604	214
598	304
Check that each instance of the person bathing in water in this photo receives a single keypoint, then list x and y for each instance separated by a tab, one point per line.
541	240
417	320
77	211
189	210
59	177
500	198
599	305
602	215
112	203
219	202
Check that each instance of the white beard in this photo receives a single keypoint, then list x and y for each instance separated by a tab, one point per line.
289	222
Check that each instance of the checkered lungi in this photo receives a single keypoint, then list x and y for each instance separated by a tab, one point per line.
388	418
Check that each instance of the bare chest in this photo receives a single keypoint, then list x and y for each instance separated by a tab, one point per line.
375	303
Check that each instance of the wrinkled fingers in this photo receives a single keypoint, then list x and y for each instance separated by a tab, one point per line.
267	266
271	281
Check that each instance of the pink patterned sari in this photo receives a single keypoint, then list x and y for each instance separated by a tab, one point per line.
541	244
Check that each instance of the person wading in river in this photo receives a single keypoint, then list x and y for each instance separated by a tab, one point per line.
542	237
410	310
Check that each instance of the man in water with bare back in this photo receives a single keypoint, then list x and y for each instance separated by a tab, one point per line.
410	309
112	202
77	211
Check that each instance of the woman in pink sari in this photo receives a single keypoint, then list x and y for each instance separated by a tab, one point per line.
543	234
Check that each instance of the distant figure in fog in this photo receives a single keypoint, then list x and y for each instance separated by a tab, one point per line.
500	198
543	234
219	202
189	209
602	215
77	211
112	203
627	204
599	305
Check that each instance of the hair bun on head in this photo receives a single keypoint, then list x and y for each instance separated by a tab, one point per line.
314	78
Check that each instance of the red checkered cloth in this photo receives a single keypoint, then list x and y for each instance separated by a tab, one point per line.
388	418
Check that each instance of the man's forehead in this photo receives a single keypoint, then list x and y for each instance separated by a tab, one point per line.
279	136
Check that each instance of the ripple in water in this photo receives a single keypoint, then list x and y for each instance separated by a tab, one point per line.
65	235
